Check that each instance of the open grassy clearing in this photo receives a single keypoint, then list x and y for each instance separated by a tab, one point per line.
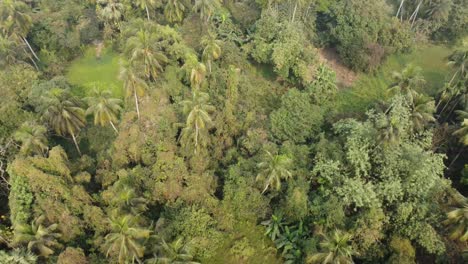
371	88
88	72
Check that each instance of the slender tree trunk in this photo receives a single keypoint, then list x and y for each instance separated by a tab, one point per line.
147	12
196	136
294	12
29	46
456	157
34	63
415	13
112	124
136	102
76	144
399	9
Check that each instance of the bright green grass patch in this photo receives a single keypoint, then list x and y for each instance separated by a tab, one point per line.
371	88
88	72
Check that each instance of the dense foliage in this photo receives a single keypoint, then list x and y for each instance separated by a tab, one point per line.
208	132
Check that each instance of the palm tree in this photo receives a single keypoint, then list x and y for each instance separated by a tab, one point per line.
17	256
133	84
462	132
174	11
334	250
145	4
110	10
197	75
175	252
457	218
142	50
125	241
65	115
273	170
389	132
459	61
39	238
15	22
198	120
33	139
211	50
104	108
127	200
206	8
407	81
439	10
422	111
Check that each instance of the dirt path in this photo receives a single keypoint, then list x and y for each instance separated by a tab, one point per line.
344	75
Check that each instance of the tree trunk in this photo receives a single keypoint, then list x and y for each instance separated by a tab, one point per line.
294	12
415	13
147	12
112	124
76	144
196	136
29	46
399	9
136	102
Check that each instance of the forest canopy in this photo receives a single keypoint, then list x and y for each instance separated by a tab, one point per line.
207	131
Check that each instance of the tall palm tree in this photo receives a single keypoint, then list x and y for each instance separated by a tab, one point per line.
125	241
145	5
110	11
459	61
334	250
65	115
211	50
175	252
39	238
206	8
462	132
457	217
17	256
408	81
104	108
273	170
197	75
422	111
142	50
389	132
127	200
33	139
174	11
15	22
439	10
198	120
134	85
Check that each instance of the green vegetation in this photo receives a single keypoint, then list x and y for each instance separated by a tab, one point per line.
88	72
370	88
215	131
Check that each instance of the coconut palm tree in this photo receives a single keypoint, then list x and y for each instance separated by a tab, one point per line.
175	252
17	256
389	132
33	139
15	22
198	120
142	50
459	61
64	115
462	132
408	81
104	108
134	85
40	239
125	241
206	8
197	75
174	11
457	217
439	10
273	170
422	111
211	50
334	250
145	5
127	200
110	11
